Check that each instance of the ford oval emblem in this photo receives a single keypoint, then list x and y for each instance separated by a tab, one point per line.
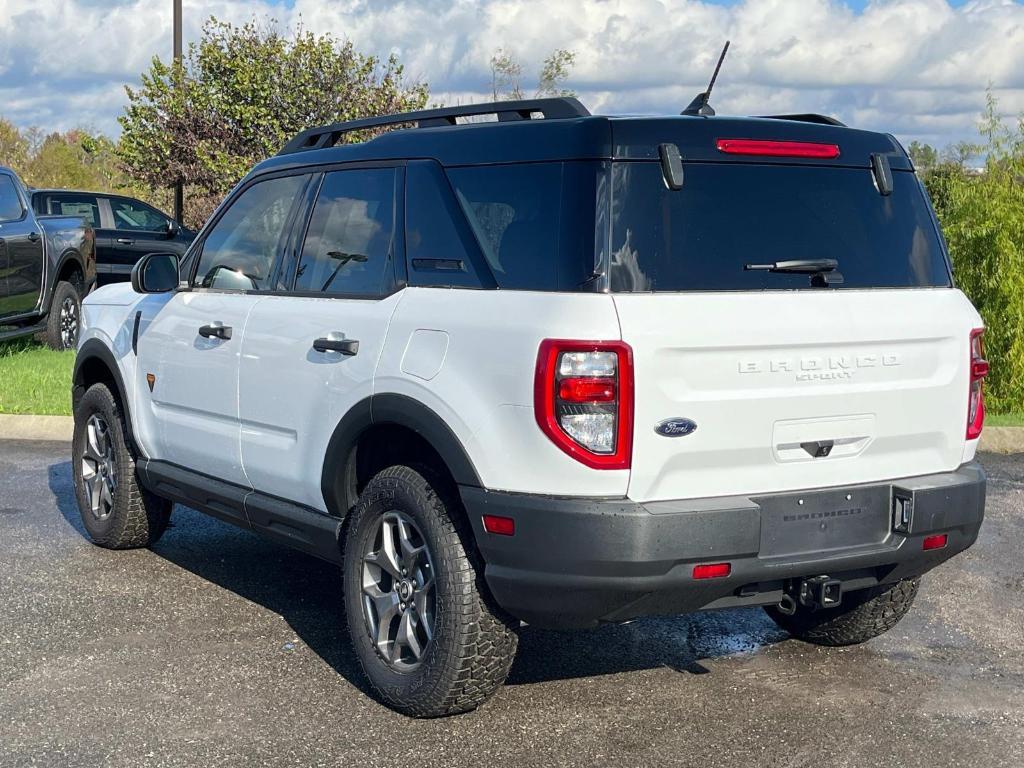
676	428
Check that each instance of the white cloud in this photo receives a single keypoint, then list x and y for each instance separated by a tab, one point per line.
914	67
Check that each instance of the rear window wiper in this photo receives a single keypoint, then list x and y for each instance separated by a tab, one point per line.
796	266
823	272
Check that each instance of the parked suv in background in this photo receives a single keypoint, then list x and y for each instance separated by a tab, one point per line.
560	369
47	264
126	229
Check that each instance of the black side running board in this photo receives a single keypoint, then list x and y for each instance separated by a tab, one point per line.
293	525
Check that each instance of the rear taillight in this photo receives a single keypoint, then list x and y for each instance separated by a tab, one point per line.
976	394
583	400
770	148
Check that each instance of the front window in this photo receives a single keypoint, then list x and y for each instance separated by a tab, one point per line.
241	250
133	216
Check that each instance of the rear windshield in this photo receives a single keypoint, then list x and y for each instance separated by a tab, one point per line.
726	216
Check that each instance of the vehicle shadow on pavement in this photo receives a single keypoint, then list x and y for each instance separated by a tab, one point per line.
306	593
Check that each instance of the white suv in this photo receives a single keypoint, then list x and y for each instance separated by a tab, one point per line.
556	368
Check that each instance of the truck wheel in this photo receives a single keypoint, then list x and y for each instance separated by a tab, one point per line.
116	511
63	321
420	621
862	615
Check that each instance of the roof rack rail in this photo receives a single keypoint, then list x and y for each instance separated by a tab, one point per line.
328	135
806	118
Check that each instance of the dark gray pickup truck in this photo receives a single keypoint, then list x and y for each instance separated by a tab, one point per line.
47	264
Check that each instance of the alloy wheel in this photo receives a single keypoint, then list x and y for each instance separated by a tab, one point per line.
99	468
398	590
68	322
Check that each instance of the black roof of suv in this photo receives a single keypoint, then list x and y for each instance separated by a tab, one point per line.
562	129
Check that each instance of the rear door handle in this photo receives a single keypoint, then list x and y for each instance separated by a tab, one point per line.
125	241
216	330
347	347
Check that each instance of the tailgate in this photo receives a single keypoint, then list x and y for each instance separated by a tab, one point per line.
796	389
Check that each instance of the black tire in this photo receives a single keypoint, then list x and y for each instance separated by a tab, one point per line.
59	333
473	643
862	615
135	517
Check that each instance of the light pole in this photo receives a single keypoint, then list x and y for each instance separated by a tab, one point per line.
179	196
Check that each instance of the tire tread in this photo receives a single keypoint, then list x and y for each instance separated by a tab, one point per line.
868	616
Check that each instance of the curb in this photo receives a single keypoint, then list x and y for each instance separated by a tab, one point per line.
1002	440
60	428
17	427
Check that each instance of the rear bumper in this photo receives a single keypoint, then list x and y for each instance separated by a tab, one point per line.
578	562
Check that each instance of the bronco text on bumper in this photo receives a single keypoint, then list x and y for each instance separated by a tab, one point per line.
556	368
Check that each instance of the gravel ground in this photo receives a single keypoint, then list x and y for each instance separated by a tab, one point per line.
216	649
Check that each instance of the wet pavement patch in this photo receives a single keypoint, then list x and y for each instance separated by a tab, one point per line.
217	648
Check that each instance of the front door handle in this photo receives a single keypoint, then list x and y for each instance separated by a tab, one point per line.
216	330
347	347
125	241
33	237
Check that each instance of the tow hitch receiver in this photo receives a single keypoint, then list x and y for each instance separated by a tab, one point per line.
820	592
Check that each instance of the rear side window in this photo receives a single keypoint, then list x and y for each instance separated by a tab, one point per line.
84	206
10	203
729	215
349	245
440	249
529	220
241	250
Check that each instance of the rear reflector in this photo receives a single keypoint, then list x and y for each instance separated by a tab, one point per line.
503	526
711	570
938	541
767	148
587	390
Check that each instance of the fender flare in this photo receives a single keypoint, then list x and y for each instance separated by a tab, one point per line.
400	410
94	349
69	254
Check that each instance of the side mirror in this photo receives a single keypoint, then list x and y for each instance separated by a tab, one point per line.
173	228
155	273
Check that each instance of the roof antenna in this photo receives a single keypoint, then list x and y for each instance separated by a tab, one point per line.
700	106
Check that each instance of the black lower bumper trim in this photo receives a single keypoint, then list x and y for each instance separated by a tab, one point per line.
578	562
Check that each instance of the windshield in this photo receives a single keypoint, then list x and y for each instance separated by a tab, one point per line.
729	215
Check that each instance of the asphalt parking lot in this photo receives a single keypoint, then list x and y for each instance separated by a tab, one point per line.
218	649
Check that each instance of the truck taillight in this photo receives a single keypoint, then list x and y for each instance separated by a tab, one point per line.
976	394
583	400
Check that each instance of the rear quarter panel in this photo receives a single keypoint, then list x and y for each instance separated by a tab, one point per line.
480	380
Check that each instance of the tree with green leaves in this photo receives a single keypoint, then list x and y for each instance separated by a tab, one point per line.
239	95
982	216
507	74
13	145
925	156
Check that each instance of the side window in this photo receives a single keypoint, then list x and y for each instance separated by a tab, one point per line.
514	212
84	206
10	203
439	248
240	251
134	216
350	241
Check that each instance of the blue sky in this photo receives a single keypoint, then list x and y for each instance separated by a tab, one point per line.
917	68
